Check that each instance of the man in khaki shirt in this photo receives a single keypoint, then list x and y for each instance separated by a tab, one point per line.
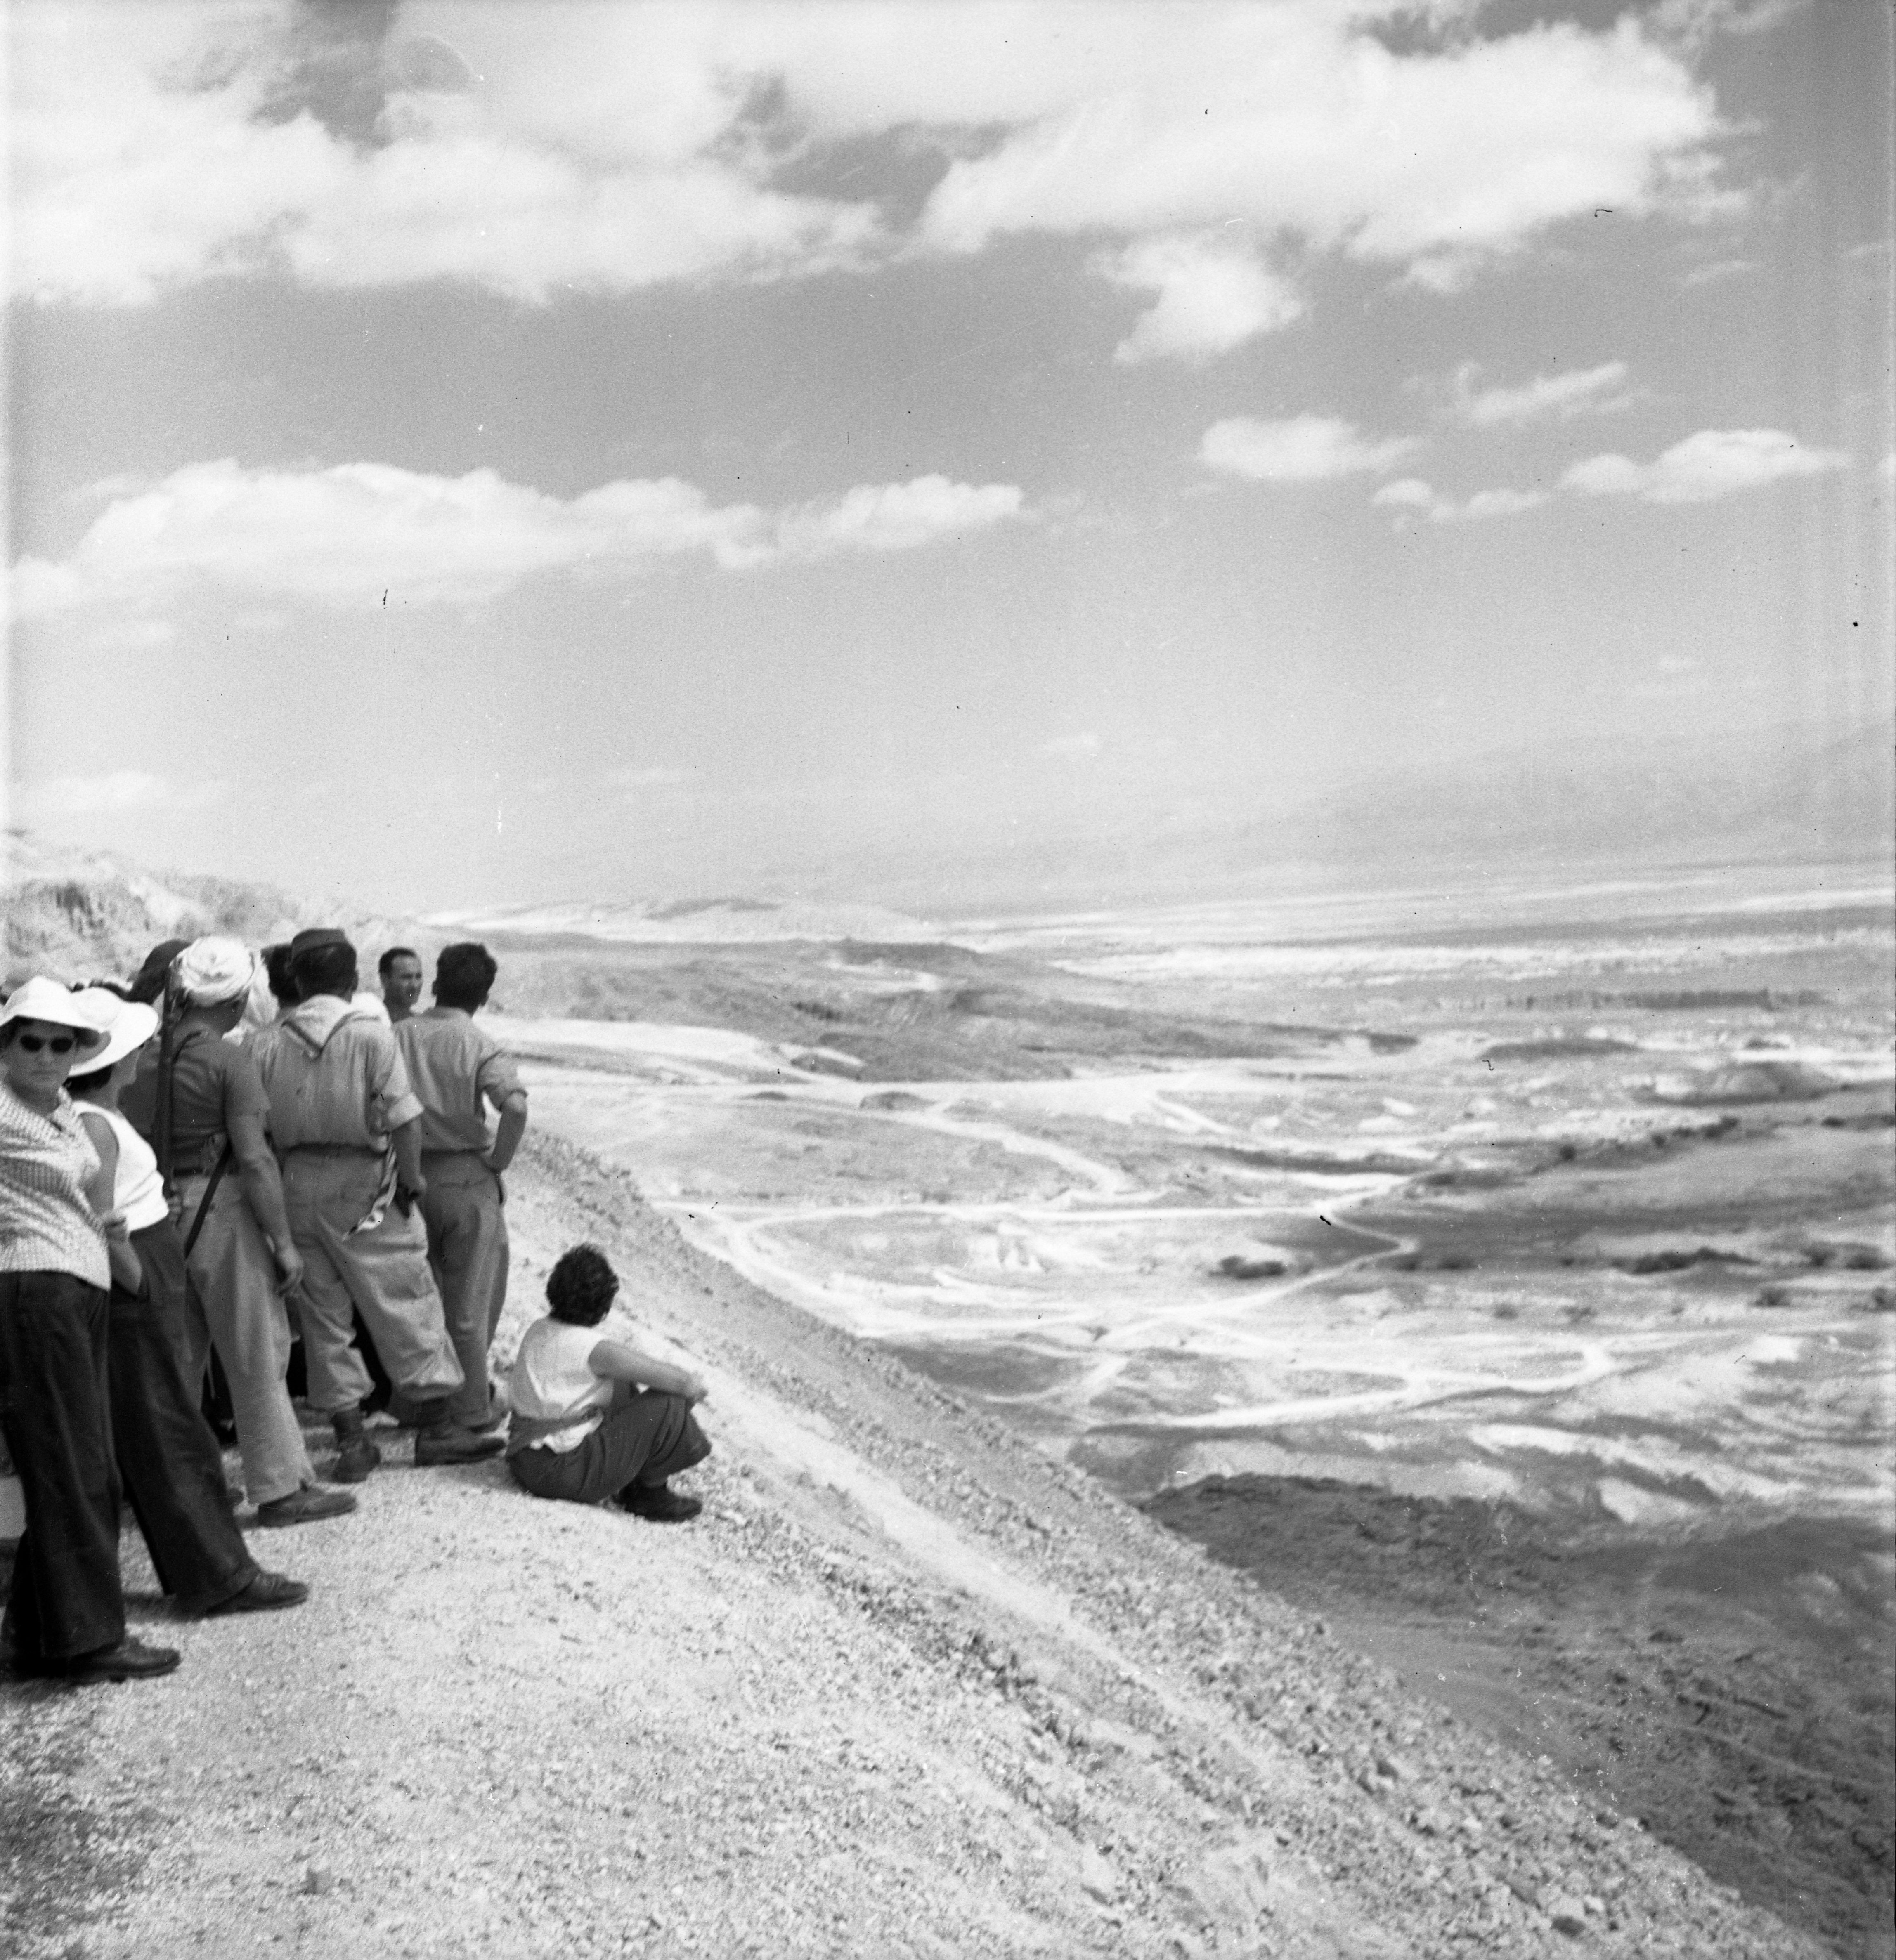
459	1072
347	1127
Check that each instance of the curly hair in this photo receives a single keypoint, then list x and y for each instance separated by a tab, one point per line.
581	1287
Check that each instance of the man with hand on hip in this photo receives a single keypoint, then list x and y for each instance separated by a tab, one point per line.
347	1128
459	1072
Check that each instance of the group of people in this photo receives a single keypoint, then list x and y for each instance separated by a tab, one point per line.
231	1152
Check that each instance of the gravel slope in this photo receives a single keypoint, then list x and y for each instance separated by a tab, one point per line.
909	1687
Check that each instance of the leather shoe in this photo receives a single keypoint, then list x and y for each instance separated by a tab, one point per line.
130	1660
447	1443
305	1507
264	1594
357	1457
658	1503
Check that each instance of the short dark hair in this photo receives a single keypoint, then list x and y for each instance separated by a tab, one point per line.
581	1287
83	1085
155	975
464	974
386	964
277	969
329	969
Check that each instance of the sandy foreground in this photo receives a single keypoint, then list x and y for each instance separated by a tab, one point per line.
909	1687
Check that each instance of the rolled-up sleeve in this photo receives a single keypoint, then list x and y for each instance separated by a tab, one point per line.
498	1078
391	1101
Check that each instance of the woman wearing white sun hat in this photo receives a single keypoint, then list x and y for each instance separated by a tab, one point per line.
65	1613
168	1460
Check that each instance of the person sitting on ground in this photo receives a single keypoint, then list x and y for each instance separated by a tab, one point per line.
169	1461
593	1418
400	972
65	1608
460	1072
242	1257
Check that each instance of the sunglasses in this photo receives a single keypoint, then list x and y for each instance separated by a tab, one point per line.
59	1044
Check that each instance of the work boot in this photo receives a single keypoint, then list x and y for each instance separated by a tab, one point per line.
358	1456
440	1439
658	1503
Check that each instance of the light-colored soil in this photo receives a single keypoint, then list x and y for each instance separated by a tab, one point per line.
909	1687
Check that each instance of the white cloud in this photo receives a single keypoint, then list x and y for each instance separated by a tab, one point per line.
1081	748
1213	295
1714	462
365	534
1587	391
1288	118
892	517
1306	449
115	791
157	146
1411	493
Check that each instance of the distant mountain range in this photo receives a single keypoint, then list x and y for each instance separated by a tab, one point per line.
695	921
1585	806
1584	803
1589	800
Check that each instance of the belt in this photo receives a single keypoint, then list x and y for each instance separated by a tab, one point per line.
334	1150
199	1163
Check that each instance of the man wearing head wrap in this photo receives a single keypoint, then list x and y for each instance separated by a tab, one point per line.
349	1128
245	1258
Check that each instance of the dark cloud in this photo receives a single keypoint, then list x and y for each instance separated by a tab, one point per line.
335	67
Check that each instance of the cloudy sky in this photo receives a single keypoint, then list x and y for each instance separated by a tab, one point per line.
468	452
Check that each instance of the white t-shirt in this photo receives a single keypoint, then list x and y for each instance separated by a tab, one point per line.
137	1189
552	1383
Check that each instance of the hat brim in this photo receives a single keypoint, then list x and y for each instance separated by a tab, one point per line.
43	999
134	1025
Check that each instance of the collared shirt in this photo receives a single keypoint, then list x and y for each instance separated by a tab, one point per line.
212	1079
46	1225
333	1076
452	1067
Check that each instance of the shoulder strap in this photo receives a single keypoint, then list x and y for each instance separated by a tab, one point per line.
161	1116
210	1191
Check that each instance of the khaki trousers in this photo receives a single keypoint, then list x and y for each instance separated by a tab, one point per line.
232	1304
467	1248
383	1274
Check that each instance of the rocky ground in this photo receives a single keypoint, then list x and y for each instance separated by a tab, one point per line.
909	1687
1721	1690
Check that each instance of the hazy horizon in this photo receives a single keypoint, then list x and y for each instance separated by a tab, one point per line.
466	456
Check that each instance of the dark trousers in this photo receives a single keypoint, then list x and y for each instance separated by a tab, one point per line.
647	1436
169	1461
54	1405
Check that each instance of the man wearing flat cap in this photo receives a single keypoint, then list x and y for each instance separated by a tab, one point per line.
347	1128
242	1257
